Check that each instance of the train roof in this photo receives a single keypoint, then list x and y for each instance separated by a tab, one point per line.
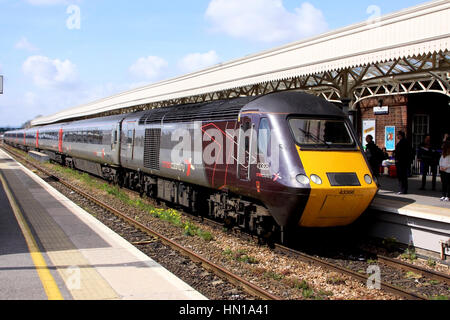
206	111
295	102
289	102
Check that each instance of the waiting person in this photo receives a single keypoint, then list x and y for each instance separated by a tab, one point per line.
444	164
374	155
402	161
429	158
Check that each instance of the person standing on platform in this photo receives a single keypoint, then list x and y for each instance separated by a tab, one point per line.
429	158
444	165
374	155
402	161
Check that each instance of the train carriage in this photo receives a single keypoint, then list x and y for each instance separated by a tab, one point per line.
93	145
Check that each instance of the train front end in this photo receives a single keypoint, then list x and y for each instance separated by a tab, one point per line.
341	185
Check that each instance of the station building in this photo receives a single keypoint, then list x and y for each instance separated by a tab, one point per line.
415	114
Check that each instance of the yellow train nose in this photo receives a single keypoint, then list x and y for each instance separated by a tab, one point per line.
342	192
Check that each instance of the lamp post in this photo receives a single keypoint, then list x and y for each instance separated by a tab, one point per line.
1	84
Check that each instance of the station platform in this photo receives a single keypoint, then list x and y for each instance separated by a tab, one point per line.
418	218
52	249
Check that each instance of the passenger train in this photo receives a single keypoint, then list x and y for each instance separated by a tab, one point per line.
263	163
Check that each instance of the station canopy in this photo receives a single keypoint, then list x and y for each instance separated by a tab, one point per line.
400	53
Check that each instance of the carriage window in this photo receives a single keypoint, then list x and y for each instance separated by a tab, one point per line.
130	137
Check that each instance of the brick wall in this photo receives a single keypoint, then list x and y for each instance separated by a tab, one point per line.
398	115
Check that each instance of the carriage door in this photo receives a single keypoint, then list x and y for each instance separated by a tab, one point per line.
246	133
127	150
115	150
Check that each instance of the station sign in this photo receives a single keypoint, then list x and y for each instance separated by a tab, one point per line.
380	110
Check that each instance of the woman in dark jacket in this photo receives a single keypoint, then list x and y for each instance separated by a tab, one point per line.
374	155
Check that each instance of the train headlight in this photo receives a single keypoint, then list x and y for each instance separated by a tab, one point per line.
301	178
316	179
368	179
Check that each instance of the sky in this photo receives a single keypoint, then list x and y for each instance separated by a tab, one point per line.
56	54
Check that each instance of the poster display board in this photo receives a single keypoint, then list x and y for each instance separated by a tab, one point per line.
368	127
389	138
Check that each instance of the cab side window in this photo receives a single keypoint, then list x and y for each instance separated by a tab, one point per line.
264	137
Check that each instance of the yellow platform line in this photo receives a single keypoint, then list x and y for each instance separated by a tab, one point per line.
47	280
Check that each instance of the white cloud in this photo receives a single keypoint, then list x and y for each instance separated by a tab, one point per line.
265	20
198	61
150	68
24	44
48	73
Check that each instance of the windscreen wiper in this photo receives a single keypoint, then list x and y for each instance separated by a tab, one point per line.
310	135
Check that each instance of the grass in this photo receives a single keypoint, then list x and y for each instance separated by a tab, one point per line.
335	280
390	243
274	275
227	252
308	291
431	262
412	275
409	254
240	255
170	215
440	297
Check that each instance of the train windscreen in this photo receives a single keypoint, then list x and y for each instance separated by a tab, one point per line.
321	133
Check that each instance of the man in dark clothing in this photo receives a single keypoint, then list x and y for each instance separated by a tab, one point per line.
374	155
403	161
429	158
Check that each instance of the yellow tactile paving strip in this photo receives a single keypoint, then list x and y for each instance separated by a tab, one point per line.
81	279
48	282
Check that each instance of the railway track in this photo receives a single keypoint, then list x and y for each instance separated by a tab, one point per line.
361	277
245	285
394	263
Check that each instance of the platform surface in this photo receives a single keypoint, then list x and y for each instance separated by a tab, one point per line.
424	204
52	249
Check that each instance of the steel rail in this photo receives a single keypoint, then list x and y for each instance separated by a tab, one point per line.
410	267
360	277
